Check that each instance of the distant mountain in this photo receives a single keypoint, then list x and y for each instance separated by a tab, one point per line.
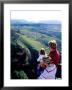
41	25
19	21
50	22
33	22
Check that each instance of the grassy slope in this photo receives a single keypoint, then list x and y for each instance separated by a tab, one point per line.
40	37
37	35
33	39
32	42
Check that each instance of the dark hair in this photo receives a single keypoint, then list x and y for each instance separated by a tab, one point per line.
42	51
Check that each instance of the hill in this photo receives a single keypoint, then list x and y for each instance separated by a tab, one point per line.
30	37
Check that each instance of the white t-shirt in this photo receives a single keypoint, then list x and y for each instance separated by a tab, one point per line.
49	72
40	58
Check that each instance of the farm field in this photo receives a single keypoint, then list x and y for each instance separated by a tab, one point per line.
31	37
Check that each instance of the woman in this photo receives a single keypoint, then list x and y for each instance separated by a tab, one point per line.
54	53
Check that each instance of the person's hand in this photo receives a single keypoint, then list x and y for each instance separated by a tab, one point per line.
49	58
51	62
42	64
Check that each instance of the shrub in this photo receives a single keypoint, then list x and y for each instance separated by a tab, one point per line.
19	75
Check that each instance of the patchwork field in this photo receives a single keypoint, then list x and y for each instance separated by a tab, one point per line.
32	37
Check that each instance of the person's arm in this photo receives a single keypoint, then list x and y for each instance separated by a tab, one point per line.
38	60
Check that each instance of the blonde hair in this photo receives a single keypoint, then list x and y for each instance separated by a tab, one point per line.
42	51
53	44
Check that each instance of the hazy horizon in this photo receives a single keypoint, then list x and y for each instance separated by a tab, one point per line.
40	21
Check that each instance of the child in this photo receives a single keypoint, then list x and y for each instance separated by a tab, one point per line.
49	69
39	60
41	55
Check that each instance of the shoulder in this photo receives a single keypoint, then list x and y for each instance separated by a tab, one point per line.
58	53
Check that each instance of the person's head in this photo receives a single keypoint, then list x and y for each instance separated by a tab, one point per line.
42	51
45	62
53	45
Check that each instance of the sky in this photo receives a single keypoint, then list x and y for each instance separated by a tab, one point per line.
36	16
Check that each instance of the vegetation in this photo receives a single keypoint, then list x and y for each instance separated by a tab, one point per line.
26	42
19	75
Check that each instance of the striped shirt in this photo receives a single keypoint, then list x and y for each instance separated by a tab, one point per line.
49	72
